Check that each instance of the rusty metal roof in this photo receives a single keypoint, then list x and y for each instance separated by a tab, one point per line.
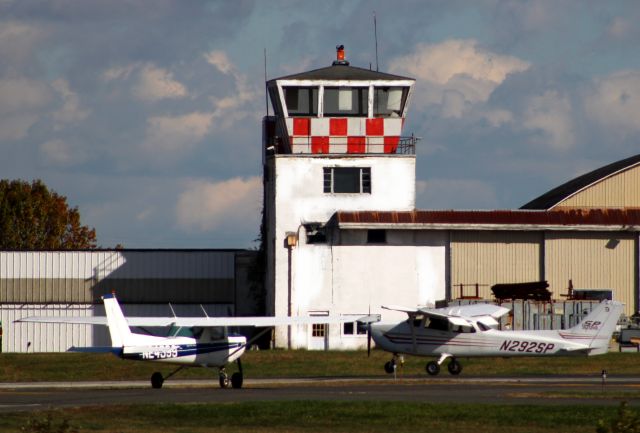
606	218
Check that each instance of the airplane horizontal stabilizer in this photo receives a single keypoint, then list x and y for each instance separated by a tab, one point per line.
97	349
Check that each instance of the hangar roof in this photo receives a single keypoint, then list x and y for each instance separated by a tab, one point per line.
574	219
566	190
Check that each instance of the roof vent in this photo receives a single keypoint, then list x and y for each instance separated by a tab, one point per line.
340	56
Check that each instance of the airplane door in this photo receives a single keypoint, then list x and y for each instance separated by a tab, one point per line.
318	333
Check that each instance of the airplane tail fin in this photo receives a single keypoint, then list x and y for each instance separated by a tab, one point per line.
118	326
597	327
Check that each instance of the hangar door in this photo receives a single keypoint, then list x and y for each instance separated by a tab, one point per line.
491	257
598	260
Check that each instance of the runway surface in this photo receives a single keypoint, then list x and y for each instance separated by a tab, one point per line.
553	391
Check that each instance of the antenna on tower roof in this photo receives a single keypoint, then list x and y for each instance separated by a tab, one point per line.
375	36
266	92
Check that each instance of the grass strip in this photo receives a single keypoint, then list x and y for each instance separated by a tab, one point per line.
299	363
314	416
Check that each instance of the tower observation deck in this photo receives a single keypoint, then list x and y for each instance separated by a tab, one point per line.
339	109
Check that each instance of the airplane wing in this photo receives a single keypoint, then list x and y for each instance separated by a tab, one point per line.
469	311
203	322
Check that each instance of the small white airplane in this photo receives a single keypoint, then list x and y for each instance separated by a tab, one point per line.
195	341
471	331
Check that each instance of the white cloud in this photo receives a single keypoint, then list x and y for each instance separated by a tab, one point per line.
70	110
230	109
171	135
497	117
156	83
207	206
16	126
21	103
551	113
149	82
439	63
17	42
119	72
457	69
614	102
62	154
23	95
221	61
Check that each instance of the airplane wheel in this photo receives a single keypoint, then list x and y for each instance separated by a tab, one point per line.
454	367
433	368
236	380
389	367
224	380
157	380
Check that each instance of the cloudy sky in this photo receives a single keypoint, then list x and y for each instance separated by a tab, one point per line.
146	113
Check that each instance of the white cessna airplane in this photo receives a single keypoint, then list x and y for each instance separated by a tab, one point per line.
471	331
197	341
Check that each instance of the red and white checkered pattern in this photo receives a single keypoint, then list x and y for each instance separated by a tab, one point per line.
344	135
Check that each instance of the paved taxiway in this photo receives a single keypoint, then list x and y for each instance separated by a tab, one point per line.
556	390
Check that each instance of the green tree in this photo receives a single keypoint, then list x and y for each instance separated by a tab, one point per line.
34	218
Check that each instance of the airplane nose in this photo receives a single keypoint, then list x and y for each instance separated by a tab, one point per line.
377	333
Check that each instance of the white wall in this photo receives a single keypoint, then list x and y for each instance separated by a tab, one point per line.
355	278
295	196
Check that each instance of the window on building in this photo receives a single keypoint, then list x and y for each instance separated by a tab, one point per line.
318	330
346	101
354	328
376	236
345	180
301	101
389	101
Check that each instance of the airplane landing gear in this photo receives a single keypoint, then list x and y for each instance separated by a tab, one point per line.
390	366
454	367
237	377
223	378
433	368
157	380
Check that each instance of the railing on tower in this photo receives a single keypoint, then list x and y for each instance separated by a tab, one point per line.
276	141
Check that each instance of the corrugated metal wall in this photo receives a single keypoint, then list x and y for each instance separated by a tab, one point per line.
620	190
137	276
592	261
490	257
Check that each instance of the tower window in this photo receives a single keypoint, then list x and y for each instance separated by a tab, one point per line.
346	101
389	101
301	101
347	180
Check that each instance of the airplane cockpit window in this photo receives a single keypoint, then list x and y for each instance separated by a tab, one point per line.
217	333
463	329
182	331
436	323
416	320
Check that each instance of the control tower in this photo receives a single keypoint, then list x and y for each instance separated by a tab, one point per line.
334	143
